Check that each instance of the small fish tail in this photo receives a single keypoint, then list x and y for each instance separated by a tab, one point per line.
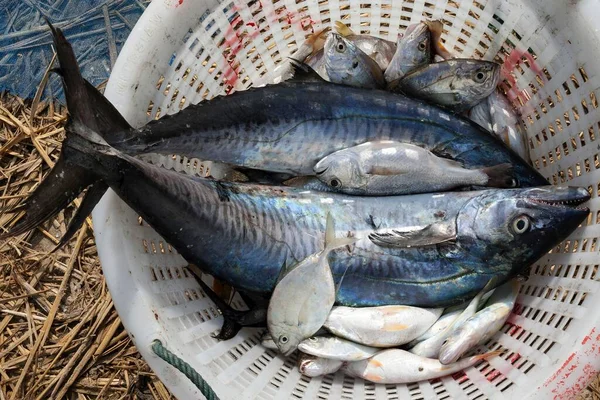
487	355
501	176
343	29
93	121
331	242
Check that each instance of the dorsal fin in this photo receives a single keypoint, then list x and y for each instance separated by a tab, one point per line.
302	72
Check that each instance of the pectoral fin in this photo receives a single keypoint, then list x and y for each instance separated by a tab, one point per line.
431	235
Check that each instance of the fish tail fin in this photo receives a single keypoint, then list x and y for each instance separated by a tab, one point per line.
343	29
93	121
501	176
485	356
331	242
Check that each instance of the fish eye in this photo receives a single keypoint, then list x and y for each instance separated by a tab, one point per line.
521	224
479	77
283	339
335	183
313	339
422	46
341	47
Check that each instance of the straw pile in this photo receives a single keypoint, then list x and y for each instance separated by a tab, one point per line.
60	336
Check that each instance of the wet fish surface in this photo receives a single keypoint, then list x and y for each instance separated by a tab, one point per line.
457	84
346	64
380	50
413	51
395	366
393	168
480	327
336	348
498	116
303	298
312	366
385	326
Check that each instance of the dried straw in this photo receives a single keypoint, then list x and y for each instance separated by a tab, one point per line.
60	336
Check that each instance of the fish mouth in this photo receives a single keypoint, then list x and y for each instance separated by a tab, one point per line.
320	170
566	198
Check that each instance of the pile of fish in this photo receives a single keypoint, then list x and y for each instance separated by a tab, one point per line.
377	229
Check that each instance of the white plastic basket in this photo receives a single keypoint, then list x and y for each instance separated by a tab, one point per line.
183	51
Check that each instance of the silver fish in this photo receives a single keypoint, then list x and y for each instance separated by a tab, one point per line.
267	342
317	62
497	115
395	366
380	50
413	51
312	366
346	64
303	298
393	168
335	348
445	320
387	326
430	348
457	84
483	325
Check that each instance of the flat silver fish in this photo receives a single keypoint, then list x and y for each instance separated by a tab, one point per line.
430	348
384	326
457	84
395	366
497	115
335	348
393	168
303	298
312	366
346	64
479	328
380	50
413	51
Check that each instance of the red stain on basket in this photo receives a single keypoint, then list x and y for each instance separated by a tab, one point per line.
588	337
493	375
514	358
460	377
234	43
507	73
514	328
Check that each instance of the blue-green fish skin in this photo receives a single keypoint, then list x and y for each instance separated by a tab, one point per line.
242	233
289	127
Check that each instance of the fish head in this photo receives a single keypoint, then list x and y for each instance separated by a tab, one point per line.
340	170
416	45
345	63
474	80
286	337
456	344
518	226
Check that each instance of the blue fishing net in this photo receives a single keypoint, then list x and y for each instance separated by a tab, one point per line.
97	30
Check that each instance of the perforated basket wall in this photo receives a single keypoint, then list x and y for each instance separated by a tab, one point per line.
184	51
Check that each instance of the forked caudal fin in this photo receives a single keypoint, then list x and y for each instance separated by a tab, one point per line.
90	113
500	176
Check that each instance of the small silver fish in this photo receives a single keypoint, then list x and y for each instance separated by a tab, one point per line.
302	300
457	84
413	51
430	347
380	50
312	366
346	64
395	366
497	115
440	325
483	325
393	168
384	326
335	348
